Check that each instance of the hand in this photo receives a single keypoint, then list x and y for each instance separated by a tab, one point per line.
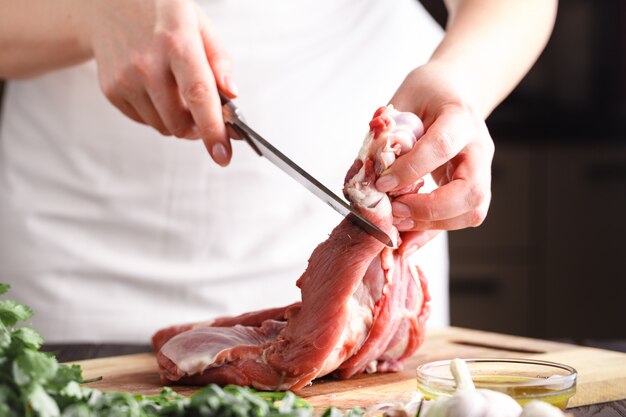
159	63
456	149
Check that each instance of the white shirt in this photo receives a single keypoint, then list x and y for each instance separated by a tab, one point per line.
111	231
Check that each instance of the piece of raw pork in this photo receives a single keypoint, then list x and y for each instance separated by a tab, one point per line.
363	305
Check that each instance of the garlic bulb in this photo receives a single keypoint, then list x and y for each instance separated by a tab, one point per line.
541	409
471	402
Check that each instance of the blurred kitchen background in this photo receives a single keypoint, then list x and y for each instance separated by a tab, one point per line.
550	260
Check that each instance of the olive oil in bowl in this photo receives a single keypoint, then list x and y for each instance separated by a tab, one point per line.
522	379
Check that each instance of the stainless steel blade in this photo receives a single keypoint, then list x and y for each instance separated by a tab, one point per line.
266	149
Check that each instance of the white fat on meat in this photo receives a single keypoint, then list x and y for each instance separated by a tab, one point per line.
210	346
393	134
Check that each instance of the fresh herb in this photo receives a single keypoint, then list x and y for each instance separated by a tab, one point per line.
334	412
34	384
28	378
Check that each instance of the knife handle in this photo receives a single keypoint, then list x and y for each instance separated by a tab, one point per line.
234	121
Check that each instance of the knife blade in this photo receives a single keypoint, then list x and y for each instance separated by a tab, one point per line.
238	129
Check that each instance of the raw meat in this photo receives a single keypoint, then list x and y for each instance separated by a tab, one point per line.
363	305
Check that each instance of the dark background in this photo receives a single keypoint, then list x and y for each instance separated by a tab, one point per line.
549	261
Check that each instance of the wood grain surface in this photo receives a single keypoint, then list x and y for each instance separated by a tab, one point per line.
601	373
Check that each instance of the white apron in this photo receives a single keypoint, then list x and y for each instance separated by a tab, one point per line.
111	231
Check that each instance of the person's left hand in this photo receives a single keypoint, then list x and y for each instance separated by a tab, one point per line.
456	149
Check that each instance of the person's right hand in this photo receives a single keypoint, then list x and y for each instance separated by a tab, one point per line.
159	63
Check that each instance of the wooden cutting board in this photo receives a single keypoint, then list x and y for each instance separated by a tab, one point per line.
601	373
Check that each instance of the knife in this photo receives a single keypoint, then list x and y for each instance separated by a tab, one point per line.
238	129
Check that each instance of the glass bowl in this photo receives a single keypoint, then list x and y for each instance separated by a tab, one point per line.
522	379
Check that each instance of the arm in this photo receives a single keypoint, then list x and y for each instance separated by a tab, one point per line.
491	44
159	61
38	36
488	47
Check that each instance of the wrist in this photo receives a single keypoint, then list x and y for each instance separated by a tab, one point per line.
460	84
80	18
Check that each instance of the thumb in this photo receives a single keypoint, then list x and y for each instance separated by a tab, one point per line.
217	56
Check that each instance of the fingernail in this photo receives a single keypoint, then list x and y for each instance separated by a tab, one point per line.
405	225
230	85
400	210
220	154
386	183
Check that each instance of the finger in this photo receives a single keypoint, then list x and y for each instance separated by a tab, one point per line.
469	188
118	101
472	218
445	202
412	241
167	101
197	85
218	57
128	110
143	106
444	139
